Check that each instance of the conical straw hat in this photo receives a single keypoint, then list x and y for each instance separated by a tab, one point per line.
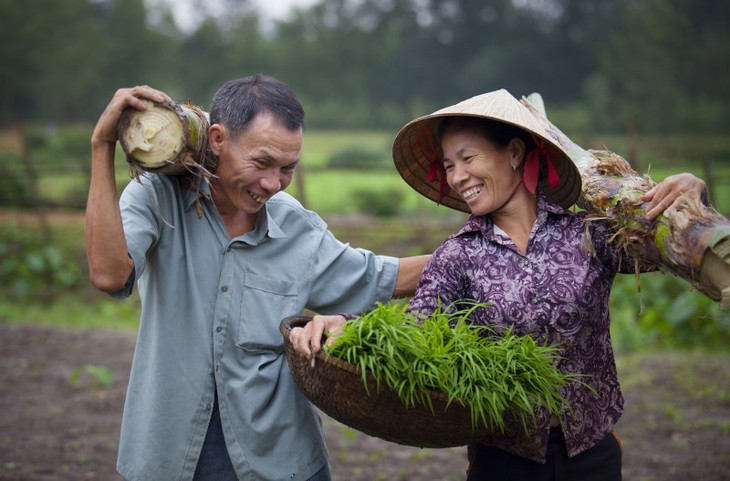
413	163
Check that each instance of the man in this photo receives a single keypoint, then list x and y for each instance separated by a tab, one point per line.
210	396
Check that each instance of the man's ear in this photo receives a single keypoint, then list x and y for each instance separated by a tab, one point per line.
217	136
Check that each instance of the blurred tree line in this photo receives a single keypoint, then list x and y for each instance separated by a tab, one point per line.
661	64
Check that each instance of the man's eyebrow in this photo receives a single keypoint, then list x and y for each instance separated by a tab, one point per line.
264	153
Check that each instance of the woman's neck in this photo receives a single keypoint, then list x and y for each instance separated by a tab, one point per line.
517	218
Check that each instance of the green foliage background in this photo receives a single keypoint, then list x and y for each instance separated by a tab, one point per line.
49	284
661	65
658	70
46	280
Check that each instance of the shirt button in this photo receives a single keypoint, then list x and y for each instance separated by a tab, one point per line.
224	288
218	329
208	406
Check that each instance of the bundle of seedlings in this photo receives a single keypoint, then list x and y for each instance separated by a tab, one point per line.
497	375
689	240
167	138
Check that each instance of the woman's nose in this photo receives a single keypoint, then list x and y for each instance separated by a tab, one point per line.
458	173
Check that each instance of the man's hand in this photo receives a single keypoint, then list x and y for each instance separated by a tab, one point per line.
666	193
307	340
106	247
105	131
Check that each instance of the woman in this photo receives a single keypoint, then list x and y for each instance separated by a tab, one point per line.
546	270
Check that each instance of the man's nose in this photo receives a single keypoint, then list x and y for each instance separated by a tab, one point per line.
271	182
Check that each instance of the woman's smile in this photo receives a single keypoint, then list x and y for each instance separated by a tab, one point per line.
471	192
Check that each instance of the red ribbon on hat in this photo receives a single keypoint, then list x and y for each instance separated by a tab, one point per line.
538	157
436	170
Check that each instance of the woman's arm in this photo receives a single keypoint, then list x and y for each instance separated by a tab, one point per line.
666	193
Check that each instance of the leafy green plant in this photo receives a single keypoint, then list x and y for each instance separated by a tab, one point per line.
14	189
32	266
666	314
379	202
100	375
495	374
95	377
359	157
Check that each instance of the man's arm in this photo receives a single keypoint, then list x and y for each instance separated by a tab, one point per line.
409	271
307	340
106	247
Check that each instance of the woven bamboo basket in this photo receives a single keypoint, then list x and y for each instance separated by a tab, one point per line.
337	389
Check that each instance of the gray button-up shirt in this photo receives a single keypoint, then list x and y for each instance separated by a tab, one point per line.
211	308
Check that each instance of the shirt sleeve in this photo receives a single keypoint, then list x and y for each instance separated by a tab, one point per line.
612	254
442	282
141	225
347	279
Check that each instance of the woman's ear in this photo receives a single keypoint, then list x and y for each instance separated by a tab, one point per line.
516	148
217	135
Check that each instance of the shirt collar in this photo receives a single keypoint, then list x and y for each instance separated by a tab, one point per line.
485	225
266	225
191	195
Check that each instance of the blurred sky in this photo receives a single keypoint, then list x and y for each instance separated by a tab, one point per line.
278	9
184	10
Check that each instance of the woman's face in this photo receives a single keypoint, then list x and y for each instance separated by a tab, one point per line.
479	170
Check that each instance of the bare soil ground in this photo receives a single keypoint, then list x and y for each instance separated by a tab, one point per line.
59	419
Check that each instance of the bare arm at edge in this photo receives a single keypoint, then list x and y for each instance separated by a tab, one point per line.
409	272
106	248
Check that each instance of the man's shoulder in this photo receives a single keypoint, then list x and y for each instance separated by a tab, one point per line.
286	210
157	193
147	180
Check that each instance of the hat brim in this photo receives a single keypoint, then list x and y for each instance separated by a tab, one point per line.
413	164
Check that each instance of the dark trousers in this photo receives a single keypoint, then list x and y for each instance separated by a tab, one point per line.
600	463
214	463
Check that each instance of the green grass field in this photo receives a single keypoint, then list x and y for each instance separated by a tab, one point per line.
62	170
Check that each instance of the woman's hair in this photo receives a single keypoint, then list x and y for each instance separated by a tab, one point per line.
500	133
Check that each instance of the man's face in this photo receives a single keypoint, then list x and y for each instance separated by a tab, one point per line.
254	166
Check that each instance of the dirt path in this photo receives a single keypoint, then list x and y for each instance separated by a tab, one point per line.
59	420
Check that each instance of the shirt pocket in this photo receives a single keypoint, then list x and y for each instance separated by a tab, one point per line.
264	303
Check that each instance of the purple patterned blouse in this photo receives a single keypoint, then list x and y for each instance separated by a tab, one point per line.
559	292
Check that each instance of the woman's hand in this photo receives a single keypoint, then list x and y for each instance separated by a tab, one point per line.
307	340
666	193
105	131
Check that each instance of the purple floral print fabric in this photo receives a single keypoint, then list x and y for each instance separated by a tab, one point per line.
558	292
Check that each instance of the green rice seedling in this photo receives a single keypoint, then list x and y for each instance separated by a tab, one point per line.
495	374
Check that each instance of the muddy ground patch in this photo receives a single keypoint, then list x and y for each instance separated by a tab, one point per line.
62	391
